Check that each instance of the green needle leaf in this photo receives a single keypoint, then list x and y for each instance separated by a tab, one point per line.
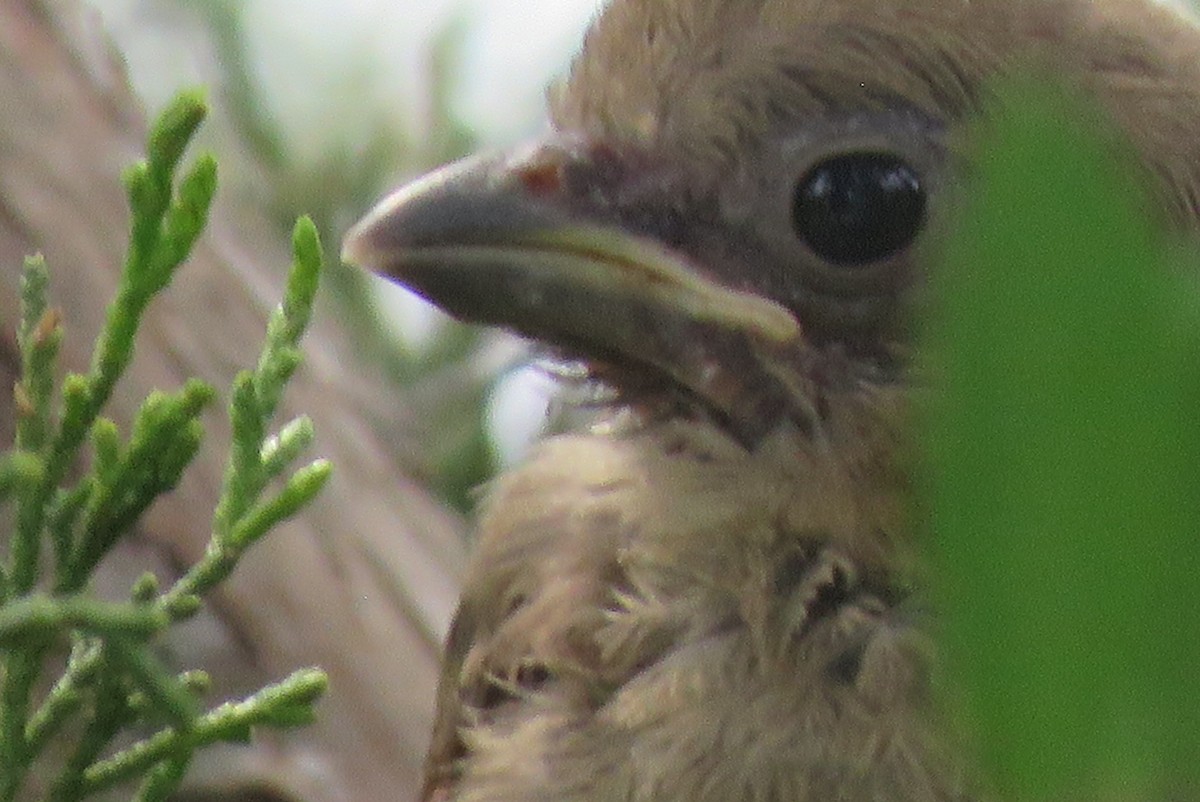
175	127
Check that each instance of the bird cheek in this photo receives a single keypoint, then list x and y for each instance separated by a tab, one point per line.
741	200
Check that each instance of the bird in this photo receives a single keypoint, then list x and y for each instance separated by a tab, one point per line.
712	588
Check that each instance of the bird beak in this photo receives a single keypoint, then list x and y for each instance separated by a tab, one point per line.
502	240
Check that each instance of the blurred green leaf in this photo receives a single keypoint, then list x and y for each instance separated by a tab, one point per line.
1062	462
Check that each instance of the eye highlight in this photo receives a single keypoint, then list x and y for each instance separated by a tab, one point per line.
856	208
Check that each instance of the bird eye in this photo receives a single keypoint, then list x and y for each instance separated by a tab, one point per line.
856	208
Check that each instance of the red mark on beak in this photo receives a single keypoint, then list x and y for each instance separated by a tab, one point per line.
542	177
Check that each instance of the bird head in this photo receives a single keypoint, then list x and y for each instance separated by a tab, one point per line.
738	199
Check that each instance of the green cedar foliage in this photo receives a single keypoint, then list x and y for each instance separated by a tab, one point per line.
112	680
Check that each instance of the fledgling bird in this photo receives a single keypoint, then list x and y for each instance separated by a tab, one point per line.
708	594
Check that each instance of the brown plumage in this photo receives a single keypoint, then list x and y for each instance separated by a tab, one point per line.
712	593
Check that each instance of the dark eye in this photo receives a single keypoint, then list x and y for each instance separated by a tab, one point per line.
859	207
